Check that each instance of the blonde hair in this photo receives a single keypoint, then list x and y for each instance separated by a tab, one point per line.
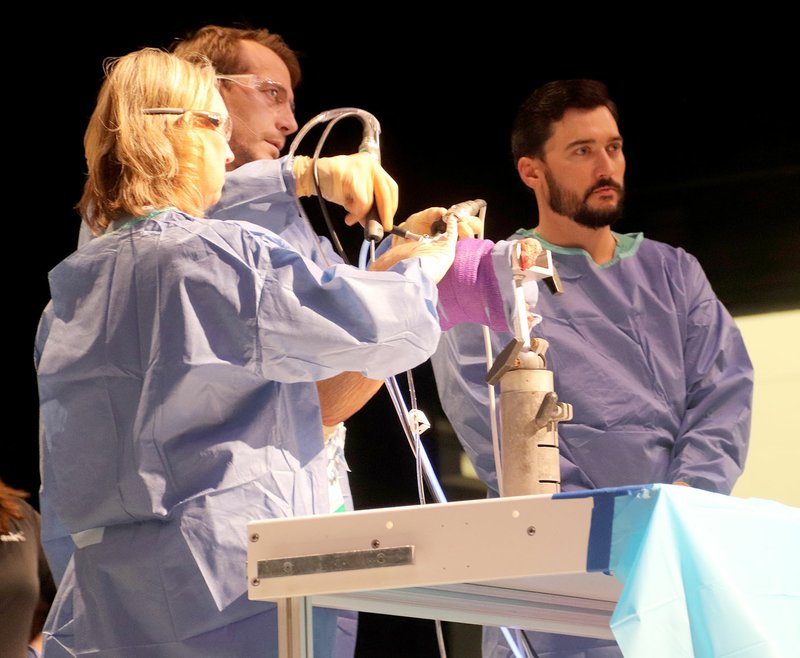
137	162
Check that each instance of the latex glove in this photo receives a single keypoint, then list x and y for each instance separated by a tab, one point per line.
436	255
353	181
421	222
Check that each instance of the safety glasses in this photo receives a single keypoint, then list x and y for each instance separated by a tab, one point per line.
206	119
275	92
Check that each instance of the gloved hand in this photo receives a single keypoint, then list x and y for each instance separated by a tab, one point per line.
436	256
352	181
421	222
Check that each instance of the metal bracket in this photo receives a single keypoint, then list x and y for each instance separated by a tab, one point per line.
504	361
372	558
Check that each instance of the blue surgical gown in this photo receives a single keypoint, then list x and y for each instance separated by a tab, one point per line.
176	364
656	371
261	192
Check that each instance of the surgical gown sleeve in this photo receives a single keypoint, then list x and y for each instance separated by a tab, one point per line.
459	366
711	443
262	192
56	540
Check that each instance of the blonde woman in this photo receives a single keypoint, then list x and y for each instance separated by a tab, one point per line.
176	366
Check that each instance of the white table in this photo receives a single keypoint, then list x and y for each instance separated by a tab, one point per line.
695	573
519	562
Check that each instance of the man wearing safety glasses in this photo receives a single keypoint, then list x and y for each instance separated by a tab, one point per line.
257	73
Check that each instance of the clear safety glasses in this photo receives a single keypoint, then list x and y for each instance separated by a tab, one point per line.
221	123
275	92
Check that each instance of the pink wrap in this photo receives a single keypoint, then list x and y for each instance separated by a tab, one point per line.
469	292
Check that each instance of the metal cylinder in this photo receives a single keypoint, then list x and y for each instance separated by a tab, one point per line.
530	461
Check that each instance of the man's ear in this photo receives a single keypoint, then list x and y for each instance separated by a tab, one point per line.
531	171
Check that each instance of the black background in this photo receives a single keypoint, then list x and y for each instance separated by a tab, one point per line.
708	113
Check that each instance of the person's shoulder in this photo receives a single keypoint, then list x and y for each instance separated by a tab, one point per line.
261	172
247	231
671	254
28	509
684	272
260	168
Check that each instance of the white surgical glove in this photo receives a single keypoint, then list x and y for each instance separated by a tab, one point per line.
435	255
421	223
353	181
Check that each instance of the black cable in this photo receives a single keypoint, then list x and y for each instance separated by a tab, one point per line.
323	205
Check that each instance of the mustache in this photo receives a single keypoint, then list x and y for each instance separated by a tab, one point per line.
604	182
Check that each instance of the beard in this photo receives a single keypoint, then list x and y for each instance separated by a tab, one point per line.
570	205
